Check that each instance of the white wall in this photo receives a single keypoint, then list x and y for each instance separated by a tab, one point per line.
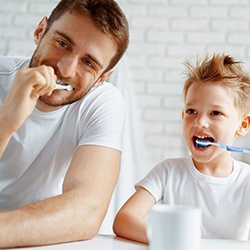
164	33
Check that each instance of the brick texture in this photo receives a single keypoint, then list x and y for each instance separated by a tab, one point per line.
164	33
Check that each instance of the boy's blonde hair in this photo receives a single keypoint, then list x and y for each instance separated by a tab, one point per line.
221	69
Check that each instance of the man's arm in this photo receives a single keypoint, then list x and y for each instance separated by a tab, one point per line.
77	214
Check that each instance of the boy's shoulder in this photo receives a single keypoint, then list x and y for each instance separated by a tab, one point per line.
242	169
174	163
241	164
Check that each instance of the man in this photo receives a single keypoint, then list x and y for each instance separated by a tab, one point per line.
60	149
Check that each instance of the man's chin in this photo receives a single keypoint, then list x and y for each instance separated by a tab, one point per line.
55	101
45	106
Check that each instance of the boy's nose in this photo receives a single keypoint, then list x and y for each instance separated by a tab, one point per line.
201	122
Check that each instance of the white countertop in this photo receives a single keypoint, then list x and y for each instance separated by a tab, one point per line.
111	242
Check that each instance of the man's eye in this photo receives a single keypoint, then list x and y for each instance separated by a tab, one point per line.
216	113
88	63
191	111
63	44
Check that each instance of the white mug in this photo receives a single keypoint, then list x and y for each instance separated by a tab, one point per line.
174	227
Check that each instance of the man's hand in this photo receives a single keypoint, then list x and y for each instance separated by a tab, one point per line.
28	85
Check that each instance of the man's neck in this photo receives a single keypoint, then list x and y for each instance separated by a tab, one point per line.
43	107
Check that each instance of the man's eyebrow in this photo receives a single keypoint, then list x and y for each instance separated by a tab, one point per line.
65	36
95	60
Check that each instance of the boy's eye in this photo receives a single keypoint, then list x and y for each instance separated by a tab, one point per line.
191	111
215	113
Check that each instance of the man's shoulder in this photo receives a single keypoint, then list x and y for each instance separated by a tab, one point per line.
105	92
10	63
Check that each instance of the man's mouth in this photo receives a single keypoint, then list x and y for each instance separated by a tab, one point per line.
64	85
202	138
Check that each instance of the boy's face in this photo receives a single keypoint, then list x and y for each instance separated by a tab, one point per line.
210	113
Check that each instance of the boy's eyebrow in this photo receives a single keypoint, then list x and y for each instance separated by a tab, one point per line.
65	36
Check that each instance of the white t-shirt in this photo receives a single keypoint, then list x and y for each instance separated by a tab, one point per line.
225	202
39	153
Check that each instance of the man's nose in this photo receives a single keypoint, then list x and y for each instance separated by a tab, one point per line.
67	67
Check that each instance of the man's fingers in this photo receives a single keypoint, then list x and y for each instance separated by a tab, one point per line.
43	80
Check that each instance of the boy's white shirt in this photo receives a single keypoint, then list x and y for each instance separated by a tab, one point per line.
225	202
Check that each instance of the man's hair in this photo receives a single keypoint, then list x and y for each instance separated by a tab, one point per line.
221	69
107	16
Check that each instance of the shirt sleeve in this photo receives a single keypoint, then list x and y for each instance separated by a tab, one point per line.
155	181
103	119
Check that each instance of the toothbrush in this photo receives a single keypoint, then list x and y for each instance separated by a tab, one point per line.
227	147
66	87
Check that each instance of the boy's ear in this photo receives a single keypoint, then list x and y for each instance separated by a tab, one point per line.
182	114
244	127
40	29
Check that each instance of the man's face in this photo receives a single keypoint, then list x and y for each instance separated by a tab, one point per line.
78	52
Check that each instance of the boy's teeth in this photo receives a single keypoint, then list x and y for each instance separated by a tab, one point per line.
202	138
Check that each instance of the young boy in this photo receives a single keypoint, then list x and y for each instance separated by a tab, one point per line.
217	100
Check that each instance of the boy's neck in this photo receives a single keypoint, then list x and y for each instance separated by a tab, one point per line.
220	168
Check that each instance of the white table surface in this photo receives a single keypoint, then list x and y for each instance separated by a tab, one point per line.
111	242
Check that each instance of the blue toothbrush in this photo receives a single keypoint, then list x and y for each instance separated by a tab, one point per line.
227	147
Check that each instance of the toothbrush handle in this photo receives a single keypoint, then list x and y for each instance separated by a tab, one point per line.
236	149
58	86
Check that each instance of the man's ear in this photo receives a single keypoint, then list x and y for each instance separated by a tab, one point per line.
244	126
40	29
104	77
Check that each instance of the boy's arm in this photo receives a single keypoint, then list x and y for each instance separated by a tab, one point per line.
130	221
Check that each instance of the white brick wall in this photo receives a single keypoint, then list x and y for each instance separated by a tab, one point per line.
164	33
